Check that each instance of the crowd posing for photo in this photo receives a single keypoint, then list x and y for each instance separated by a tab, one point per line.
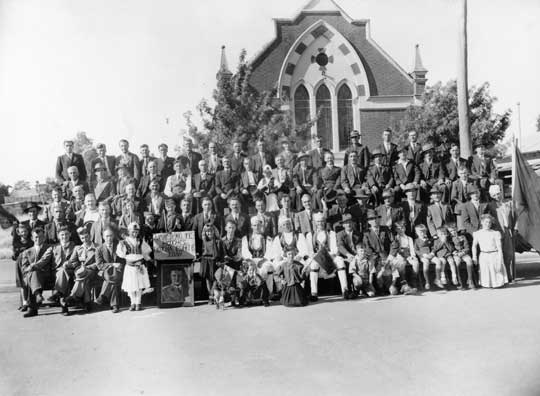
391	220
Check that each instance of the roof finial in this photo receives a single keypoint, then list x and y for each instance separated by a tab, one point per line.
223	66
418	66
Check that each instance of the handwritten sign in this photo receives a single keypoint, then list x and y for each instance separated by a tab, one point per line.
174	246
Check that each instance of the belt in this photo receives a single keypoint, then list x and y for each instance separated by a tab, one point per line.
489	251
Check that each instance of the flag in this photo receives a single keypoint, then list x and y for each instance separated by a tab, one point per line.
526	200
6	218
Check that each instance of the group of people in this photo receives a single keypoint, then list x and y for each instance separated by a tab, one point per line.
391	220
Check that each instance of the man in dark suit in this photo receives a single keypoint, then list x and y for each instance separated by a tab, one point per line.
362	152
104	190
353	176
193	156
59	220
388	149
471	211
414	212
330	180
227	184
303	220
405	172
483	171
379	178
36	266
74	180
69	159
165	164
144	184
452	166
112	267
145	159
377	240
237	157
316	154
438	213
267	221
305	180
249	179
347	238
104	222
207	216
262	158
62	253
242	222
338	211
388	212
33	221
185	217
431	175
108	161
129	160
414	149
204	185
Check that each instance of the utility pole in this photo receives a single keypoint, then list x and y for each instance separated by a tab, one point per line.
519	124
463	85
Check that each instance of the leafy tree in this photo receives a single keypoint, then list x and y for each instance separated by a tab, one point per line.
436	120
240	112
85	146
22	185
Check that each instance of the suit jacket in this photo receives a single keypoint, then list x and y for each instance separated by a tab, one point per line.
419	216
199	222
451	168
155	209
380	177
269	225
459	192
257	162
335	215
88	258
194	158
185	224
284	181
64	162
389	157
396	214
61	256
108	162
349	179
377	245
206	186
471	216
482	168
330	178
144	185
289	159
104	191
38	223
237	163
345	245
309	176
51	232
68	185
143	165
96	231
42	261
408	174
317	157
242	224
214	163
491	208
227	181
437	218
414	155
132	162
302	223
104	261
364	156
431	173
244	179
165	167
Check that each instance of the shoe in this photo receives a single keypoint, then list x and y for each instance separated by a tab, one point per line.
24	308
394	290
54	297
459	286
31	312
427	286
70	300
65	311
89	307
132	307
346	295
266	304
455	281
407	290
439	284
100	301
371	293
471	285
115	309
210	301
314	298
39	299
138	307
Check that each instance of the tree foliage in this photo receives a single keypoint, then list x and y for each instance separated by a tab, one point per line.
240	112
22	185
84	145
436	120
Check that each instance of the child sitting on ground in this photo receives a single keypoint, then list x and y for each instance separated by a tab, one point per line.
462	254
444	250
423	246
361	271
226	287
254	288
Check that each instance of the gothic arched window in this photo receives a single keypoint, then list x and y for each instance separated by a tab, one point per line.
323	104
301	105
345	115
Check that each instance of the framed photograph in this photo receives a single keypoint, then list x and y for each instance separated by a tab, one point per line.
175	284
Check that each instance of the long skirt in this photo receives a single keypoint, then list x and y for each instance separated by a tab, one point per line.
135	279
294	296
492	271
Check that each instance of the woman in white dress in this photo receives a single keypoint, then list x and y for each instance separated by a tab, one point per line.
487	243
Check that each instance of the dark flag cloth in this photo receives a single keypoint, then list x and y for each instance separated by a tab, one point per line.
527	202
6	218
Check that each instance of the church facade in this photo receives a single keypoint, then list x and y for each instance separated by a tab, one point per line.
322	62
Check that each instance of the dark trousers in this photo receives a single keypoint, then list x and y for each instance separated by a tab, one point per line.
33	285
111	291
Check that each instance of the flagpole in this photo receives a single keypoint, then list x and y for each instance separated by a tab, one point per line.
513	190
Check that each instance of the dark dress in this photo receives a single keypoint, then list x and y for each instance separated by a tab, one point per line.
18	248
293	294
211	251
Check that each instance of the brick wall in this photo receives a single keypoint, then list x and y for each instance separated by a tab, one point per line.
373	122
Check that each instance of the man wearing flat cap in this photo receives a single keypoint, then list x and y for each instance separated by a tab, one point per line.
379	178
414	211
362	152
69	159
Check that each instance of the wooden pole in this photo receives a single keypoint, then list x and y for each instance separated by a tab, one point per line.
512	207
463	85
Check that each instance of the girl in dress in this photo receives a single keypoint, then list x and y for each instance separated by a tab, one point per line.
293	294
20	244
490	258
135	251
211	252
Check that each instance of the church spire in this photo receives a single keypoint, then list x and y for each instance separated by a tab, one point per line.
418	66
223	66
419	73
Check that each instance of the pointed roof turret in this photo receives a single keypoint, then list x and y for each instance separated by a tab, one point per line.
418	65
223	65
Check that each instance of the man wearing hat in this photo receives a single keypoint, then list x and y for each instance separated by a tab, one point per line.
227	184
165	164
237	156
336	212
33	210
347	238
471	211
289	158
413	148
379	177
262	157
107	161
359	209
330	181
388	149
104	189
353	176
362	152
414	212
69	159
129	160
36	267
431	174
145	159
438	213
304	179
405	172
316	154
388	212
193	156
483	171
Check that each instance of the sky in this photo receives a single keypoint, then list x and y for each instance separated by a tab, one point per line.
119	68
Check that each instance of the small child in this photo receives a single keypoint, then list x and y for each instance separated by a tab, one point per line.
423	246
293	294
135	251
21	242
361	270
226	287
444	250
211	252
254	287
402	255
462	254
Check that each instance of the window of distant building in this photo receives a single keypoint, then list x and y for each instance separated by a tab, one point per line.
323	105
345	115
301	105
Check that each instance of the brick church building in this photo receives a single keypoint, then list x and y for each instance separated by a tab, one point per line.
324	60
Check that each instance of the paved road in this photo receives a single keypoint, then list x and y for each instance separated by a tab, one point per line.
482	342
